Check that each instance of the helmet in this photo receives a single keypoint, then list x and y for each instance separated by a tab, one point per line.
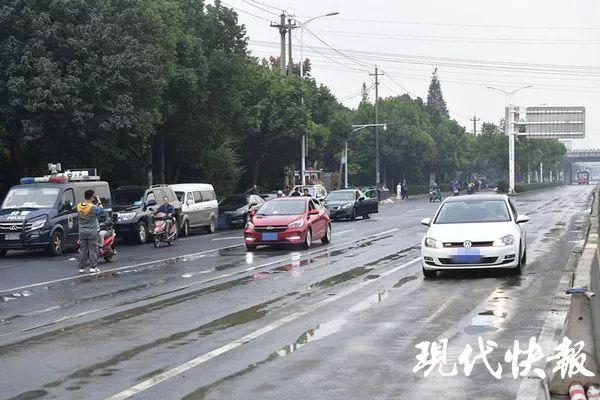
279	193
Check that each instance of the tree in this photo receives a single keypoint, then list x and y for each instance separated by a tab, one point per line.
435	99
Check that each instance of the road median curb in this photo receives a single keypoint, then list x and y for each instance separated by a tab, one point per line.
583	318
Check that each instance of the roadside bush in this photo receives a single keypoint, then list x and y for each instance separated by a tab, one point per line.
524	187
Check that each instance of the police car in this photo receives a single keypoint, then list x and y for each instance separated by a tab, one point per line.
41	212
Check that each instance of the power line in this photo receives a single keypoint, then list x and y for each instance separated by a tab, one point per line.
454	39
267	5
260	8
483	65
336	50
495	26
245	12
329	58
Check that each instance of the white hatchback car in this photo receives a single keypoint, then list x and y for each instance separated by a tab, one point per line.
474	232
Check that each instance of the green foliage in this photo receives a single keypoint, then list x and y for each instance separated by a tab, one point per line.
435	99
168	86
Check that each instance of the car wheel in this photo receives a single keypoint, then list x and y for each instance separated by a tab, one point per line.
3	252
353	216
307	239
141	232
212	226
518	269
56	244
186	228
366	216
524	257
156	241
429	273
250	247
327	238
108	257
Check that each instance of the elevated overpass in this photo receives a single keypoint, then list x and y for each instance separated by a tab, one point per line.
579	156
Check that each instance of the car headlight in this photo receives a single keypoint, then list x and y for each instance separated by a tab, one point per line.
38	223
122	217
347	205
504	241
431	242
296	224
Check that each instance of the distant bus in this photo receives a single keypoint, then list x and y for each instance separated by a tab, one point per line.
583	177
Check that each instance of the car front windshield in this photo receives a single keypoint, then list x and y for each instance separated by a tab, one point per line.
473	211
128	197
340	196
31	198
283	207
234	201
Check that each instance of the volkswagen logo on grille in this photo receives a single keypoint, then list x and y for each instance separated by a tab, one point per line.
467	244
270	228
14	228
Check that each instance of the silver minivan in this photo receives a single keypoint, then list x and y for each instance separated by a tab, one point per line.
199	206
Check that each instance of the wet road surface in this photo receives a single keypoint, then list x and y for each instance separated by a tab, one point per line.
204	319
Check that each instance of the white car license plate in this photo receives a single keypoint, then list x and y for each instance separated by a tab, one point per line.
12	236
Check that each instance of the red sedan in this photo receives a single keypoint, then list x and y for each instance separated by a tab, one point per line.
289	220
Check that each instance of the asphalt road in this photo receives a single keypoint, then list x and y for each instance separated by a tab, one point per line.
204	319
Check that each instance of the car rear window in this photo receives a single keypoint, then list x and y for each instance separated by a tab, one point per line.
473	211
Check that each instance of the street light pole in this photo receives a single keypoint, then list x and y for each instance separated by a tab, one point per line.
509	130
357	128
304	141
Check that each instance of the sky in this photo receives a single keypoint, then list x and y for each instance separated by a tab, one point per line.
552	45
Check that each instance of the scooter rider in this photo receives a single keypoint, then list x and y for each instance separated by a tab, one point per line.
89	212
168	210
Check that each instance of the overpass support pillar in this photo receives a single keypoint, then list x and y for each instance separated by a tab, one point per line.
568	173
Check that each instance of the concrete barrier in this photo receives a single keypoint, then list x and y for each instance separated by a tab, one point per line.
583	318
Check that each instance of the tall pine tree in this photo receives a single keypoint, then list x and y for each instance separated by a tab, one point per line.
435	98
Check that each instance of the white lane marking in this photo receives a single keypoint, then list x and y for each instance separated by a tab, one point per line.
70	278
208	280
344	231
155	380
416	210
228	238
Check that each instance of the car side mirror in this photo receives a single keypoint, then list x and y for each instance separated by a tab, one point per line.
521	219
68	205
313	212
361	198
151	203
426	221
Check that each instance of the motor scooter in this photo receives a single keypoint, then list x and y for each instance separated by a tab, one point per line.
160	229
435	195
107	249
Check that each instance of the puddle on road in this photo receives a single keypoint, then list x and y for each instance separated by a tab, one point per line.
31	395
321	331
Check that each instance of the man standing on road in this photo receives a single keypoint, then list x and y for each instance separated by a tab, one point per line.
89	212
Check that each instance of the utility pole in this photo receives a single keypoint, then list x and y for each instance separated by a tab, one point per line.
290	26
474	119
376	75
509	130
282	31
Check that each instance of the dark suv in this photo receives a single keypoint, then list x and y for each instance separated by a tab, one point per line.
133	207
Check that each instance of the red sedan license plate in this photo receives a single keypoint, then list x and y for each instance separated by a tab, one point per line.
269	236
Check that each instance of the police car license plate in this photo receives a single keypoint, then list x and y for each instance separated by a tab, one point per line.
12	236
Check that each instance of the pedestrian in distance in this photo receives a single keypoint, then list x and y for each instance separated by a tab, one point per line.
399	191
296	192
89	212
306	193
